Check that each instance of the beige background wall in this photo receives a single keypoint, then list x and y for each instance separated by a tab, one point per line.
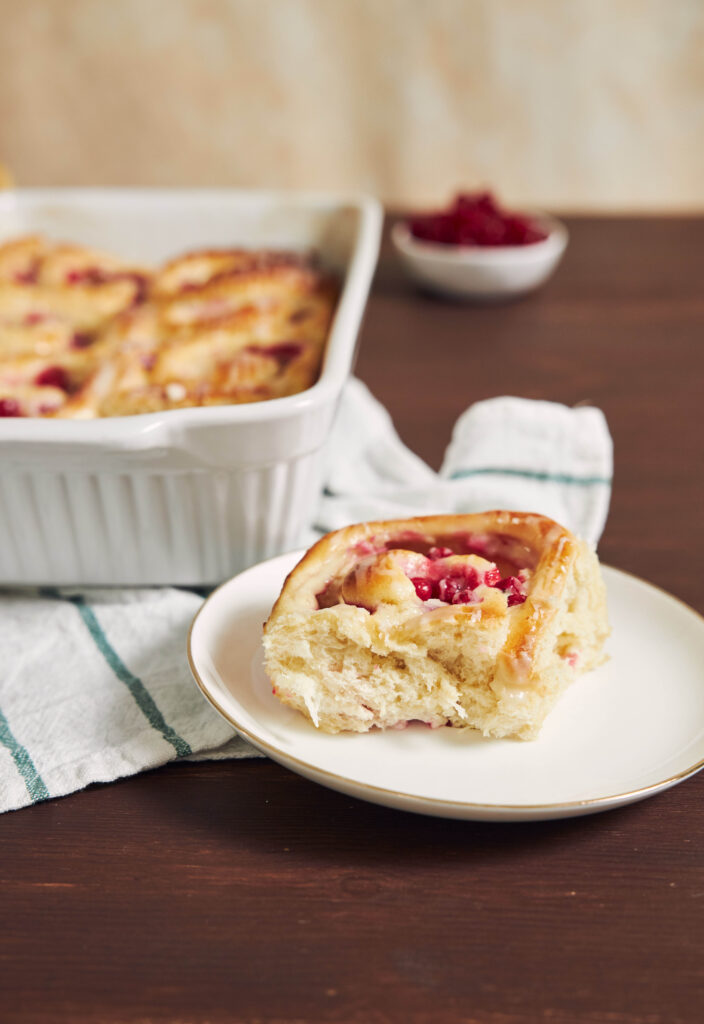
595	104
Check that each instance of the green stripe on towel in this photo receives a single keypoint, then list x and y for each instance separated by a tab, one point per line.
141	695
530	474
24	763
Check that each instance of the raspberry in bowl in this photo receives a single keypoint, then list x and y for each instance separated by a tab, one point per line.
475	249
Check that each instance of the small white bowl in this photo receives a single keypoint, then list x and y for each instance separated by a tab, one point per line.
482	273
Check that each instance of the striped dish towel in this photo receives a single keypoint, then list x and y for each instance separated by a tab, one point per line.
95	685
512	453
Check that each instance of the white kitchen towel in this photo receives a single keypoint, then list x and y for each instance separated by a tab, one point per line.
95	685
514	453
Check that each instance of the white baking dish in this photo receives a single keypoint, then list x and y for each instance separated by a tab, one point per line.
188	496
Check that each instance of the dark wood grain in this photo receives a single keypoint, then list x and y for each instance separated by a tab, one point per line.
240	892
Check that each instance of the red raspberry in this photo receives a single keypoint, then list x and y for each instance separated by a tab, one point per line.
53	377
448	589
492	577
10	407
424	588
476	219
436	553
81	339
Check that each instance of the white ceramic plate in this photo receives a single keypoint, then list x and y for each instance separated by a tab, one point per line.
630	729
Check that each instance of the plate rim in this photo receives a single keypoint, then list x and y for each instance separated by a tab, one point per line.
286	760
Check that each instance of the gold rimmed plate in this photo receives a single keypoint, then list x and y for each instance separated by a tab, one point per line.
624	732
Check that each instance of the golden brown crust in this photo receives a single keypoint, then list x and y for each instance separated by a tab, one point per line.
201	266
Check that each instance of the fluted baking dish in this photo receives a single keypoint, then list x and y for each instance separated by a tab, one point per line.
186	496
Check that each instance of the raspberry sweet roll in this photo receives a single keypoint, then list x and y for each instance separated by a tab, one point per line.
473	621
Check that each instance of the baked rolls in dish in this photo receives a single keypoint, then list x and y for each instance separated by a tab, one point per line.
472	620
84	335
55	301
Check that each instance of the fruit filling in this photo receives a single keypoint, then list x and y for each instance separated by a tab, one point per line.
509	553
476	219
53	377
82	339
87	275
439	575
10	407
283	352
458	584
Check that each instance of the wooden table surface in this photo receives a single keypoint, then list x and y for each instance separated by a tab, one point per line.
241	892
